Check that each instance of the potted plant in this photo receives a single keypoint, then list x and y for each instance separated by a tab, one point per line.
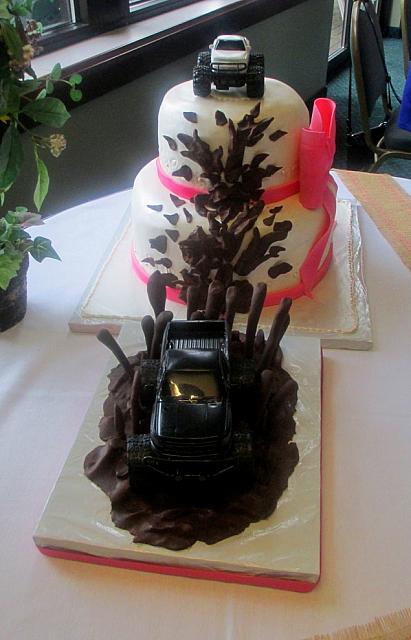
25	101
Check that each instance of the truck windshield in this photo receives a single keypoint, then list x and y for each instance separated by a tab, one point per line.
230	45
192	385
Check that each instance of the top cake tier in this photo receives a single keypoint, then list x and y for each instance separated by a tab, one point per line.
271	126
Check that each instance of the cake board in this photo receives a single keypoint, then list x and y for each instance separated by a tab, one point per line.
281	552
337	313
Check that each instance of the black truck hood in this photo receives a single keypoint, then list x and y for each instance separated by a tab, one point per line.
178	419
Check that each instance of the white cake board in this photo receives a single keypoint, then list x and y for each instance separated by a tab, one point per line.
338	312
282	551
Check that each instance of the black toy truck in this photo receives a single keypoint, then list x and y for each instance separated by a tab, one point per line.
229	63
191	433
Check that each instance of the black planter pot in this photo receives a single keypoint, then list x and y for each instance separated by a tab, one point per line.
13	300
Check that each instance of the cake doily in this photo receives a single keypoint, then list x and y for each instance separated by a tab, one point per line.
337	313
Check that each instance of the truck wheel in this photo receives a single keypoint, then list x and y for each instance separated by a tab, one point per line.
148	383
242	374
201	81
255	82
257	59
204	58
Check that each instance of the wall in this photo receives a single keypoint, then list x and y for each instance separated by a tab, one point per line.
110	138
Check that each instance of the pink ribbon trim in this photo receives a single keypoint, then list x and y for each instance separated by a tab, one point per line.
186	192
317	148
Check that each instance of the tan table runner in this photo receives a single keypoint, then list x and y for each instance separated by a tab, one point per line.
387	204
395	626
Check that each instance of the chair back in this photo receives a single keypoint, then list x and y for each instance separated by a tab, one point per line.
368	59
406	33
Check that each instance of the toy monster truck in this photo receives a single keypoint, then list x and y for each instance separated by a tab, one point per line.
191	433
229	63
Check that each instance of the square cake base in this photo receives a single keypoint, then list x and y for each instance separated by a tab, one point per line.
282	551
337	313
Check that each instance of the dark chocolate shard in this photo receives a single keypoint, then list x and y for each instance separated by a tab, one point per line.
165	262
159	243
277	135
188	215
171	143
155	207
220	119
177	202
190	116
276	210
150	261
279	269
183	172
258	159
173	234
271	169
172	218
255	111
270	220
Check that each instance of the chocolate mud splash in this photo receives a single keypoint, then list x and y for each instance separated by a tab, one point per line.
232	207
164	515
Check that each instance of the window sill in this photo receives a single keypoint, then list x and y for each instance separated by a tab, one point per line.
114	58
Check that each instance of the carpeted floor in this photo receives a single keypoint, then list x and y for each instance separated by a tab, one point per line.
358	157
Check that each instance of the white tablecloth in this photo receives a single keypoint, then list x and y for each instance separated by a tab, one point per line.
47	379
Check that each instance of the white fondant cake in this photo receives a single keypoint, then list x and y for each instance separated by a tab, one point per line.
223	202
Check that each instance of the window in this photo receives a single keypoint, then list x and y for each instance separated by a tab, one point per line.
65	21
53	13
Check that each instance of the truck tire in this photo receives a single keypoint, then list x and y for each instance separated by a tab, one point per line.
242	375
201	81
255	82
138	447
148	383
204	58
257	59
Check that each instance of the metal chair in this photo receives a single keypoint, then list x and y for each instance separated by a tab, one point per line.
371	78
406	33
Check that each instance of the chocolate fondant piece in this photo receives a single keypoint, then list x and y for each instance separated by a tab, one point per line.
173	234
165	262
277	135
178	202
188	215
279	269
190	116
172	218
171	143
155	207
159	243
183	172
220	119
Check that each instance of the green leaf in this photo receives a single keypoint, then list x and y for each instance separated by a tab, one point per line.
42	249
56	72
12	40
49	86
48	110
4	12
75	79
42	94
9	266
9	98
43	182
11	158
76	95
